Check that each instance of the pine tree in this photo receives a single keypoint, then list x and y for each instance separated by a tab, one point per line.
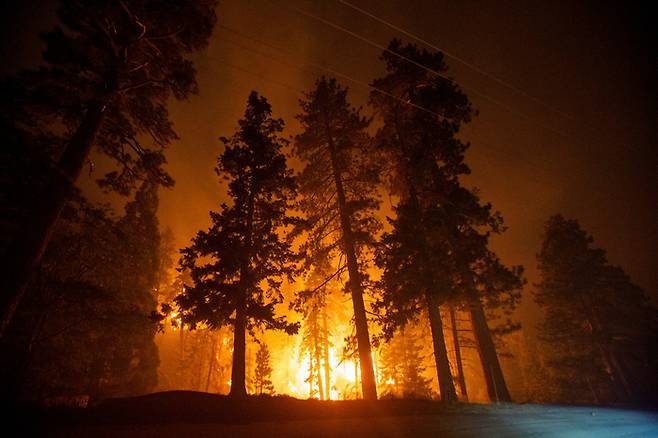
422	148
402	370
139	268
85	327
461	379
311	346
411	282
191	361
597	324
110	68
313	305
339	187
263	372
239	263
142	258
494	293
437	249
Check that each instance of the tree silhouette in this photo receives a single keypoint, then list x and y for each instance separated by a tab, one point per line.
402	370
597	324
85	327
461	379
263	371
239	263
313	342
339	187
109	71
314	305
437	248
490	288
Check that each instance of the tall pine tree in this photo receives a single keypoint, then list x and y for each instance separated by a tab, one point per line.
402	370
263	371
110	68
239	263
339	187
597	325
316	305
437	249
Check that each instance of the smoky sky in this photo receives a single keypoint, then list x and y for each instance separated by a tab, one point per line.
575	135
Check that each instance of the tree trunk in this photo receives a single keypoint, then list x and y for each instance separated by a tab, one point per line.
318	369
620	384
238	374
368	384
181	343
493	374
238	388
446	386
310	375
211	362
25	251
595	395
327	370
444	375
356	377
220	371
96	376
458	354
621	388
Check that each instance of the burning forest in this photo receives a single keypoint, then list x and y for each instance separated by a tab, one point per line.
326	235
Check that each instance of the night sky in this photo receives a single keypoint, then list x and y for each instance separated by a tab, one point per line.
574	134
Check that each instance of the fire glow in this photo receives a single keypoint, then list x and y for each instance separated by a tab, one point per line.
291	369
291	365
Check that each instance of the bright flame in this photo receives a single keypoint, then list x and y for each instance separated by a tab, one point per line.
291	374
175	322
290	368
342	376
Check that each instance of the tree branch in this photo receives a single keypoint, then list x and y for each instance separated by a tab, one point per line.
142	84
327	280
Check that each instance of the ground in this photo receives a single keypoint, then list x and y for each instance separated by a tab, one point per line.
177	414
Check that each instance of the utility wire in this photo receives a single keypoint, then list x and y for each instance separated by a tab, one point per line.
316	66
476	92
455	57
324	68
483	72
249	72
428	69
385	49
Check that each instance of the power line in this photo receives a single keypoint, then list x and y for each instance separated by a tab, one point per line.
483	150
317	66
455	57
326	69
385	49
491	76
531	120
428	69
258	75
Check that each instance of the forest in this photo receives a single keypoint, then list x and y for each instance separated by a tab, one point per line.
347	256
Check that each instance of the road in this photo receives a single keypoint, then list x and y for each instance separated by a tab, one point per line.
507	420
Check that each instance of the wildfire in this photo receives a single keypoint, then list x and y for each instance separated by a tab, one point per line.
290	363
174	320
343	377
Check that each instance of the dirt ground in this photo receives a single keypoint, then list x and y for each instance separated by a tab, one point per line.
182	414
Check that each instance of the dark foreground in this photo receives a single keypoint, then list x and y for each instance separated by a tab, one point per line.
179	414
